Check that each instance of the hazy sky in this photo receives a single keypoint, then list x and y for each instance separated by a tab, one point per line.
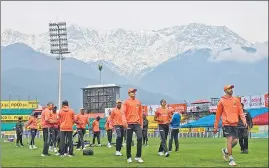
248	19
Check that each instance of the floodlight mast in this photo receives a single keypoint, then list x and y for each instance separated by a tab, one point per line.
59	46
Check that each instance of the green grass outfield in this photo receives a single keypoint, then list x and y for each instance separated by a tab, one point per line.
197	152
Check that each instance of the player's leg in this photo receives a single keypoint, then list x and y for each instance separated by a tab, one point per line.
46	139
32	138
245	138
118	140
146	134
170	137
21	140
125	136
166	130
83	130
51	139
62	143
162	136
70	143
129	137
176	132
98	138
121	138
241	140
17	140
93	138
138	132
80	138
232	137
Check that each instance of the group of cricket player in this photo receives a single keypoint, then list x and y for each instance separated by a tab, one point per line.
128	118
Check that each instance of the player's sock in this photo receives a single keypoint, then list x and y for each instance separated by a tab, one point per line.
226	151
231	157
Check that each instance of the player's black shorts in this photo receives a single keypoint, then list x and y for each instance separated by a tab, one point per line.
230	131
242	133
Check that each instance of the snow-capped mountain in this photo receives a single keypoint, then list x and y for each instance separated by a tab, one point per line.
130	52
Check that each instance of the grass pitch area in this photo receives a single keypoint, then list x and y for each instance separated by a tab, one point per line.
194	152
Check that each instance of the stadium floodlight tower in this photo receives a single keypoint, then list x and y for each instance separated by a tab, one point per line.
59	46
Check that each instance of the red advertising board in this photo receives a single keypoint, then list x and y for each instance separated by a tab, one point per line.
178	107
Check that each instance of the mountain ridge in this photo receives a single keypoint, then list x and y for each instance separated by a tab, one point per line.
130	51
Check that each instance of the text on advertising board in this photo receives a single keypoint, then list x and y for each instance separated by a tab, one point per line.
19	104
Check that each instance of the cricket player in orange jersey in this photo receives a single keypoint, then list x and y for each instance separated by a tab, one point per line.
119	123
109	129
163	116
32	124
96	131
229	109
45	123
54	131
132	109
81	120
67	120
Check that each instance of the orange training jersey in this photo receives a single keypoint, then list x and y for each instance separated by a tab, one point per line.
109	123
132	109
32	123
54	117
95	126
45	114
82	120
164	115
66	117
229	109
117	117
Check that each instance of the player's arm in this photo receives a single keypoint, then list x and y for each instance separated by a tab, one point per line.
76	120
59	117
218	115
29	122
156	116
88	123
73	117
140	112
124	114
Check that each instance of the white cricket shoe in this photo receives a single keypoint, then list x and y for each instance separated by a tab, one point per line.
118	153
166	154
232	162
139	160
30	147
160	153
129	160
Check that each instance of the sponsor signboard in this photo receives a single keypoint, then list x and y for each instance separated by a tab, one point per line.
13	117
178	107
246	101
256	101
32	104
